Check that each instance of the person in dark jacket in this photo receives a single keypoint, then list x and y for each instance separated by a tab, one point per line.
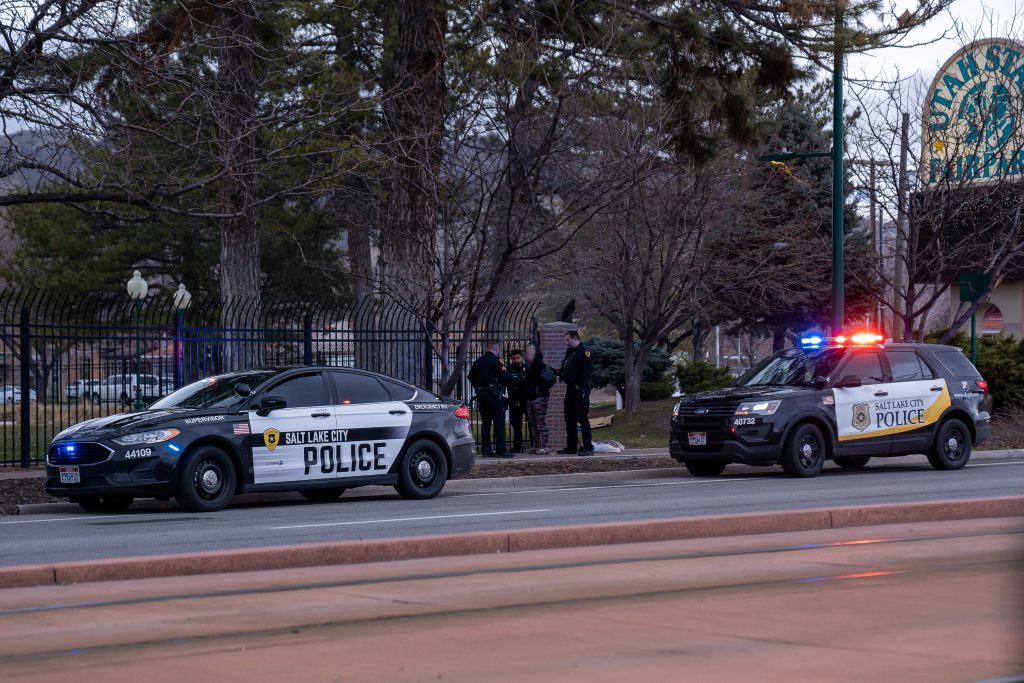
516	398
537	389
488	376
577	367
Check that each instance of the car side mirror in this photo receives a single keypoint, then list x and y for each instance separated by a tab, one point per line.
243	390
270	404
848	382
819	382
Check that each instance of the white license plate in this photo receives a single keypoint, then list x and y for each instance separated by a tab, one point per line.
698	438
70	475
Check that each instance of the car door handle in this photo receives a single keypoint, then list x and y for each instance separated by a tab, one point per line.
397	412
881	393
936	388
320	414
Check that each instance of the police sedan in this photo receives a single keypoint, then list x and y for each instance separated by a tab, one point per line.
844	399
314	430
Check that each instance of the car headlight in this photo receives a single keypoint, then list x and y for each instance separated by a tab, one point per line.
758	407
155	436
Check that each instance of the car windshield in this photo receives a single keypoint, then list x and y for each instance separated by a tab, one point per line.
792	368
213	392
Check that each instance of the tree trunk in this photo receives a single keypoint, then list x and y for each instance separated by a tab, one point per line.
414	110
633	368
778	338
240	274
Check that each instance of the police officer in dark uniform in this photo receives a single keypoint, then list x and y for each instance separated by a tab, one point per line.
577	367
488	377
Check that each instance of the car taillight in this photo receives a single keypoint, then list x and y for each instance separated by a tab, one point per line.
983	385
463	412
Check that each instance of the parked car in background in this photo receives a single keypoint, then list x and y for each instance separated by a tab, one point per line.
82	388
121	389
12	394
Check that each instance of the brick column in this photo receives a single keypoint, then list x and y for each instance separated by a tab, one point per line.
552	345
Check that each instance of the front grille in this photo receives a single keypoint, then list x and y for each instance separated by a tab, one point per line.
74	453
706	416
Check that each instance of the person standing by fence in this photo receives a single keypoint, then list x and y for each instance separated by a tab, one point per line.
516	398
488	376
537	389
577	367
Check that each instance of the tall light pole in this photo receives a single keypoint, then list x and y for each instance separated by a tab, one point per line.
182	299
137	290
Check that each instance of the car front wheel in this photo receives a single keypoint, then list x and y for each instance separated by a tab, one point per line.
423	472
805	450
206	480
952	447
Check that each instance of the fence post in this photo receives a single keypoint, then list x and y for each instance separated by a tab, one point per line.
428	363
179	331
26	403
307	340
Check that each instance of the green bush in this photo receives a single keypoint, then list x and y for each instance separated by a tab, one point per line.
1001	363
656	389
610	360
701	376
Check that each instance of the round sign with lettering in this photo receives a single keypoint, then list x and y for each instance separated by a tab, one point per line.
974	115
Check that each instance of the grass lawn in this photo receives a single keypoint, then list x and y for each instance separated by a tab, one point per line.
646	429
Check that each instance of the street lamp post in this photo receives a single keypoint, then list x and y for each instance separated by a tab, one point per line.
182	299
137	290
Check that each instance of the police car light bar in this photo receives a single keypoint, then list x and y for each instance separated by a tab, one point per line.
862	338
814	340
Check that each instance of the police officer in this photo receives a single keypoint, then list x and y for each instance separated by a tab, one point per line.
577	367
516	397
488	376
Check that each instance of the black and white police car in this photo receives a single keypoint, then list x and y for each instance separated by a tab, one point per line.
315	430
844	399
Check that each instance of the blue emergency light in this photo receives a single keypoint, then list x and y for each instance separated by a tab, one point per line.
811	340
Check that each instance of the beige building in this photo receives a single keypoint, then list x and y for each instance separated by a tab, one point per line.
1004	312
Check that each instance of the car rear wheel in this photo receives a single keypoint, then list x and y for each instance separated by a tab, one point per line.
206	480
805	450
704	468
952	447
322	495
851	462
423	471
105	503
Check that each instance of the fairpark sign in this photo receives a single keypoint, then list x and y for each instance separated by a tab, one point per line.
974	115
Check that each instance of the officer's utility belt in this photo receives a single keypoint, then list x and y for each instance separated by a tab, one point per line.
490	389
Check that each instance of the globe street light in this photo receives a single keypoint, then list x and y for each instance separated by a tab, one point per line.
137	291
182	299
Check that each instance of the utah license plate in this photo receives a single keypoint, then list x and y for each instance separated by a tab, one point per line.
698	438
70	475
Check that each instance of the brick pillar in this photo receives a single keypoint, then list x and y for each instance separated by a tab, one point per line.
552	345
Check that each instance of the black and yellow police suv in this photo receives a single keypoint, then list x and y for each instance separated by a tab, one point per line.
844	399
314	430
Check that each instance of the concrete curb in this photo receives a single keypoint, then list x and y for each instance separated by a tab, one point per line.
520	540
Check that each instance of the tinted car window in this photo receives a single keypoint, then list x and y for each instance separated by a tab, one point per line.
353	387
791	367
397	390
302	391
906	366
213	392
957	363
866	365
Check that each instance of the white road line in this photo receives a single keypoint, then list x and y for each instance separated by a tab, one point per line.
609	486
66	519
996	464
411	519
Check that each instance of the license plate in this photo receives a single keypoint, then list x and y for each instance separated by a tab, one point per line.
698	438
70	475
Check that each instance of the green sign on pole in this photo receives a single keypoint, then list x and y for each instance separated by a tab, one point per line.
972	287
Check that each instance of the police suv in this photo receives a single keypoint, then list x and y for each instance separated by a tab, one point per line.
844	399
313	430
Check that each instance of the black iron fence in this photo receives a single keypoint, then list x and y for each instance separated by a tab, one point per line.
64	359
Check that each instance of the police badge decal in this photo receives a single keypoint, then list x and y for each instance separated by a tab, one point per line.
861	416
271	437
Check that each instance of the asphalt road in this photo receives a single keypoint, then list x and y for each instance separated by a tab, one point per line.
70	535
938	602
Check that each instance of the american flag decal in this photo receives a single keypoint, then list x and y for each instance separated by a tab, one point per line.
241	428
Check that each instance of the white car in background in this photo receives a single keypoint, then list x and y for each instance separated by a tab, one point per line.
12	394
82	388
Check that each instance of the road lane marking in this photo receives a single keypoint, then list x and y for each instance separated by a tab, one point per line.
995	464
609	486
67	519
411	519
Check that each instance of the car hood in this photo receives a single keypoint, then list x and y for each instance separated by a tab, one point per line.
123	422
746	392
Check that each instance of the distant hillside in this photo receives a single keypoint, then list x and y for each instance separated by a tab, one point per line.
32	146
